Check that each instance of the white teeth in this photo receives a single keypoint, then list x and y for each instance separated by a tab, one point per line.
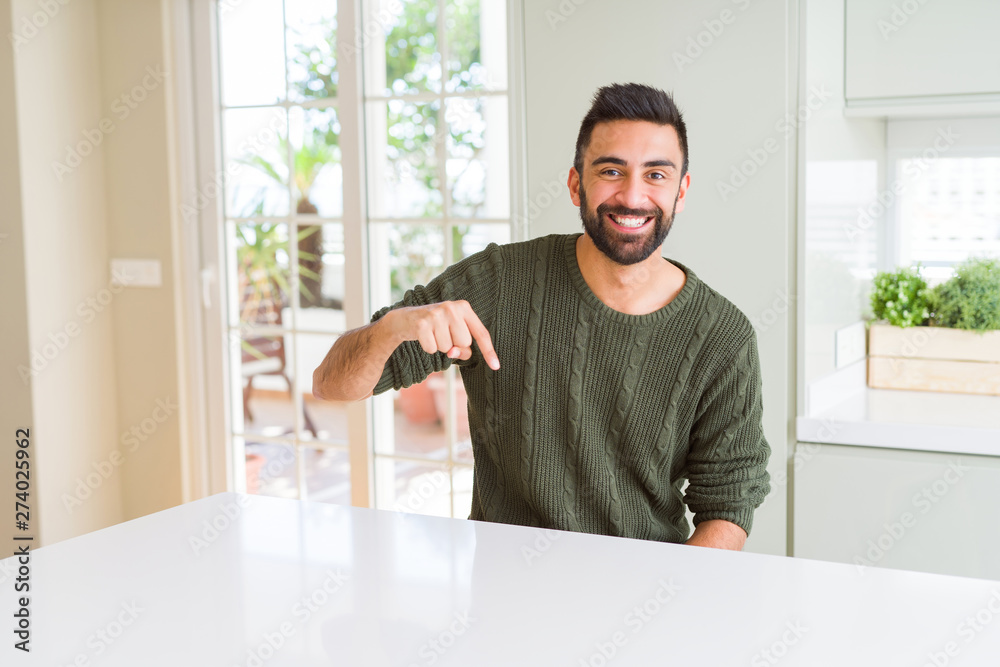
629	221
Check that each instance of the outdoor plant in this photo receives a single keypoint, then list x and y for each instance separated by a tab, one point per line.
309	160
900	297
971	298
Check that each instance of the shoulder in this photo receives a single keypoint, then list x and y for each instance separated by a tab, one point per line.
728	329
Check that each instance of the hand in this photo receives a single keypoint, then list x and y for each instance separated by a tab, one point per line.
449	327
718	534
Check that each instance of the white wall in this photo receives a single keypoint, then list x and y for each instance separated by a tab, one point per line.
93	140
139	223
66	248
734	95
16	407
845	171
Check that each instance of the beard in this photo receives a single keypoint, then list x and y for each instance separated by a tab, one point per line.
625	249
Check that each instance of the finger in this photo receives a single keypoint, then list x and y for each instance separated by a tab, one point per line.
426	339
482	336
442	334
460	335
463	353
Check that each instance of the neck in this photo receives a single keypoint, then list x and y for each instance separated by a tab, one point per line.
637	289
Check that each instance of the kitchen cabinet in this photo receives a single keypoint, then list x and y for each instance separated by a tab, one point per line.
871	507
918	48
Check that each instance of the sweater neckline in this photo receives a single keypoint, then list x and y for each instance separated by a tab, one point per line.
667	311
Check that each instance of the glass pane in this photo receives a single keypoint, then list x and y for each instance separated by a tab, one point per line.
256	157
319	176
476	34
417	422
271	469
470	239
478	164
403	165
402	256
321	278
251	52
328	475
949	212
259	257
461	478
312	49
403	486
266	375
412	61
321	420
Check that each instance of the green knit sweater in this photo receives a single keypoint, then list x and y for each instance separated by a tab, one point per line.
596	417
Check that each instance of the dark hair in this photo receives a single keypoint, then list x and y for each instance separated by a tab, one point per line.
630	101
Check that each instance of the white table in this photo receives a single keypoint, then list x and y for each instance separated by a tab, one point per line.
331	585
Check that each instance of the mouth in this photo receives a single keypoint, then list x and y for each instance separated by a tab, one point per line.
629	222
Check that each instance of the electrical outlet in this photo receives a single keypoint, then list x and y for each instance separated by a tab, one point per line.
850	345
139	272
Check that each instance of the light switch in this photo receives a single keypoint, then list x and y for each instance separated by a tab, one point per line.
136	272
850	342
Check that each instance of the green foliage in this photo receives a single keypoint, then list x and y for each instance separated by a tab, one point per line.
415	257
464	67
900	297
316	65
412	65
412	61
415	131
309	160
262	262
971	298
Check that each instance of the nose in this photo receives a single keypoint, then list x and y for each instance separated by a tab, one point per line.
632	194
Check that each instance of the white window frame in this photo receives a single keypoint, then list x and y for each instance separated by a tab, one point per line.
211	468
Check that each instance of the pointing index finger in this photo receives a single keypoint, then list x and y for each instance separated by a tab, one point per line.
482	336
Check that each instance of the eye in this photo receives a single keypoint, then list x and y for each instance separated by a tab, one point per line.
611	172
656	175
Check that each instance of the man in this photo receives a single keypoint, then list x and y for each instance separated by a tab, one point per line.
600	375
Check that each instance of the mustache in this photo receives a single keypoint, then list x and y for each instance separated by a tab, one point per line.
630	212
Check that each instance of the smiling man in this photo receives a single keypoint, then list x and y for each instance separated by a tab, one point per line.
601	376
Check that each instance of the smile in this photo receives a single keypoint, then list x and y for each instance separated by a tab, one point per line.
629	221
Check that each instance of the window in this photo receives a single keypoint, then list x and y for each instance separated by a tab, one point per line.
944	193
433	105
284	242
438	190
950	212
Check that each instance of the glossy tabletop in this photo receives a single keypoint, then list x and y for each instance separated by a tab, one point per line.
240	580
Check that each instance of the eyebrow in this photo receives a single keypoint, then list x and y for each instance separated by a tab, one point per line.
607	159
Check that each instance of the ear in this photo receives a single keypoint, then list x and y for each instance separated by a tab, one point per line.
573	181
682	192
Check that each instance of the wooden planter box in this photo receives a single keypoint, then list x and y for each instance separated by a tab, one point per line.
934	359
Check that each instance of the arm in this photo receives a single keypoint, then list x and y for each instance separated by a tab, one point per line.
355	363
718	534
727	459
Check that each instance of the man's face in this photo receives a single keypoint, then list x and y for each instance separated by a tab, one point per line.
631	178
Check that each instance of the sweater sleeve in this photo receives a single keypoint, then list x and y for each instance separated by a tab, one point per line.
474	279
727	459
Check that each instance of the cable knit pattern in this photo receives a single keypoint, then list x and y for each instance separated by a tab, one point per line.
581	341
596	417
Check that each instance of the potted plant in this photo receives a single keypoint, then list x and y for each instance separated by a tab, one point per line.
942	339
